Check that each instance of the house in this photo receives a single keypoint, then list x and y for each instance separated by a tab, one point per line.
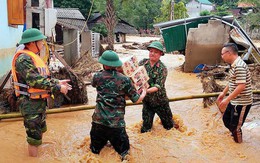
194	7
12	25
19	15
72	32
121	29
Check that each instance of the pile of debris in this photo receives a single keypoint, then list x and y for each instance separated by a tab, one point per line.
85	66
79	74
216	79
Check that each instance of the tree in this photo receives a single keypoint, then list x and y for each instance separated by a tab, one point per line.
110	22
204	13
100	28
139	13
222	11
251	19
82	5
180	11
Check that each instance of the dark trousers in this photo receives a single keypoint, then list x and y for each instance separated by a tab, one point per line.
118	138
164	113
234	117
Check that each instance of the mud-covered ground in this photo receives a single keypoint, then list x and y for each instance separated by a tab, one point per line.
201	138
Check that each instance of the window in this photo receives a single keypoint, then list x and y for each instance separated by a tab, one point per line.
16	12
36	20
35	3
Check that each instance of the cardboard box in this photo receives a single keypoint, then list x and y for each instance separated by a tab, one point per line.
130	65
139	86
139	74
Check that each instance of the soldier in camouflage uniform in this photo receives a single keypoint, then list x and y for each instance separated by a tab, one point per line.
156	100
108	122
27	76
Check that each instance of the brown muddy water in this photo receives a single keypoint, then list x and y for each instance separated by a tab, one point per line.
201	138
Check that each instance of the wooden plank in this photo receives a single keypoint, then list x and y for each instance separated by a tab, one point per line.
5	80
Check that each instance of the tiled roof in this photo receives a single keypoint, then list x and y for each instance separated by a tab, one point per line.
243	4
125	28
70	18
72	23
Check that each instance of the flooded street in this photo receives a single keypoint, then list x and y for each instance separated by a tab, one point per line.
202	136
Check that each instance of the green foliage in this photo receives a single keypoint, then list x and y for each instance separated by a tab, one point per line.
139	13
165	12
82	5
100	28
252	19
222	10
204	13
180	11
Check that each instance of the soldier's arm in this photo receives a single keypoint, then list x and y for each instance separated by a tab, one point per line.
160	80
26	70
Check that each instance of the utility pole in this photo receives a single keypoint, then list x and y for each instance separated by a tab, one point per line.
172	10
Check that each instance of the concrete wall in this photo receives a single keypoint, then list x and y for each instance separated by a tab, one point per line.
85	42
204	44
70	51
39	10
9	35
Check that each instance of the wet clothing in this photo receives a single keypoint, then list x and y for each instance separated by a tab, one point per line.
239	73
108	119
112	87
234	118
164	113
32	92
101	134
156	102
35	125
238	108
28	74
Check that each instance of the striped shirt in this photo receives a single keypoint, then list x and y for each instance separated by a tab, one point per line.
240	74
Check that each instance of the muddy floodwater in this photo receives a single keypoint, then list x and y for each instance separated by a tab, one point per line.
202	136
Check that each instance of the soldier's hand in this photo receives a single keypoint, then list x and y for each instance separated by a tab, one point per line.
64	81
65	88
144	91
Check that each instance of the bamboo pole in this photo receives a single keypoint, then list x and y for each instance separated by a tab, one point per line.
128	103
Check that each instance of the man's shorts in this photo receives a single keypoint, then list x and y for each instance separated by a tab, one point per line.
35	125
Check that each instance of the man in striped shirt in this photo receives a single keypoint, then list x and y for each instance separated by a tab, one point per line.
239	99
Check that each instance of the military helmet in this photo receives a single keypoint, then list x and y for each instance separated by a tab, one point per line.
110	58
31	35
157	45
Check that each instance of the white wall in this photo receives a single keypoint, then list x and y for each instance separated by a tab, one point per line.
194	8
9	35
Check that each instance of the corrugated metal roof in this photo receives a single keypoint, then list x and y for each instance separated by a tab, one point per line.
205	2
70	13
179	21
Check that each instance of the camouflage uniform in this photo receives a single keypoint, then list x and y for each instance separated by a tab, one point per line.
108	118
33	110
156	102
